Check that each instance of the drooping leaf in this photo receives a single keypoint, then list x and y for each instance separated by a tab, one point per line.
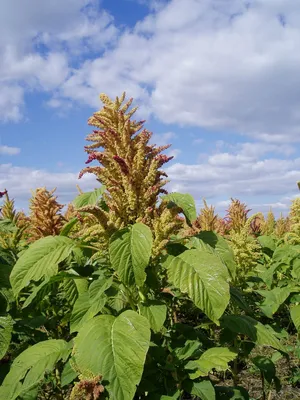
203	276
184	201
89	198
115	348
231	393
295	315
6	327
130	252
204	390
256	331
40	260
29	368
214	358
155	312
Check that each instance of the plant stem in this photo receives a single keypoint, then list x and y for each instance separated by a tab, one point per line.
235	364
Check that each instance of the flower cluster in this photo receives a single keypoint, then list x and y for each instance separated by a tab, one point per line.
130	170
45	214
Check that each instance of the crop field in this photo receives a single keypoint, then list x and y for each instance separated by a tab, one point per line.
130	292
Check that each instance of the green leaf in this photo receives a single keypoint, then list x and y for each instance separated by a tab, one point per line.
267	243
257	332
66	229
295	315
89	198
68	374
220	245
204	390
296	269
266	366
189	350
285	254
203	276
89	303
40	260
130	252
231	393
273	299
6	327
214	358
155	312
115	348
29	368
184	201
46	286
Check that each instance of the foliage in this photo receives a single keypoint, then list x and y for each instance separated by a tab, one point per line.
131	295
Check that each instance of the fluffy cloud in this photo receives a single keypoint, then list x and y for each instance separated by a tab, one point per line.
217	64
38	44
226	175
10	151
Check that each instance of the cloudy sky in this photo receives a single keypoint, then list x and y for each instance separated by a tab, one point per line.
219	79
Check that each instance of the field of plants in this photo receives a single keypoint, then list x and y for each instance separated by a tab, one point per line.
130	293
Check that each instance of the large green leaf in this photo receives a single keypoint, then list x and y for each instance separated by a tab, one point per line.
203	276
115	348
221	246
204	390
89	198
295	315
214	358
184	201
155	312
256	331
89	303
29	368
274	299
6	326
130	252
40	260
267	243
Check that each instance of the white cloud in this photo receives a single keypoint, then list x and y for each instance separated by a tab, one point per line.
10	151
39	42
216	64
19	181
241	174
11	101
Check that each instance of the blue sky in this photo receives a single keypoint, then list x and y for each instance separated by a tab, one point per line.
219	79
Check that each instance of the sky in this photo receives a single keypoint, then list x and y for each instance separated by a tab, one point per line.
218	79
